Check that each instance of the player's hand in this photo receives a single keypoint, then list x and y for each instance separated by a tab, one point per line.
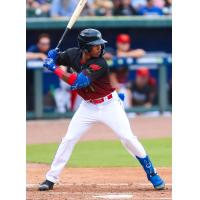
81	82
49	64
53	53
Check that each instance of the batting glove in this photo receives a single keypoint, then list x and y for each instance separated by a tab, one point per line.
81	82
53	53
49	64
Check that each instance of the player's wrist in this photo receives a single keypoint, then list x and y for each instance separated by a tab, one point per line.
58	71
67	77
72	78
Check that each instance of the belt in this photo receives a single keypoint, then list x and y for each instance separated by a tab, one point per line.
101	100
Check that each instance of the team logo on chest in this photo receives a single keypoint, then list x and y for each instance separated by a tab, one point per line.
95	67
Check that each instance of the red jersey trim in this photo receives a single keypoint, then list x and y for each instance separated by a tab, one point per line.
59	72
72	78
95	67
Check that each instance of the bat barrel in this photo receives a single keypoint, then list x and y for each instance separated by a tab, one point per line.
73	19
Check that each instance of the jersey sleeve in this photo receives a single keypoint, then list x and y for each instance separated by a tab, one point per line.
63	58
96	68
32	49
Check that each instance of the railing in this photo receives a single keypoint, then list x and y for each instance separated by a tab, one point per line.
159	62
103	22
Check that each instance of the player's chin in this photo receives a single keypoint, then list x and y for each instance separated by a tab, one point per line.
96	55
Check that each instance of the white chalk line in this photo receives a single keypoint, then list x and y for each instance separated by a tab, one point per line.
96	197
35	186
127	196
83	184
110	196
95	184
114	196
154	198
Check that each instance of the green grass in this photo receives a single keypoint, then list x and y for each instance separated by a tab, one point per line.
103	153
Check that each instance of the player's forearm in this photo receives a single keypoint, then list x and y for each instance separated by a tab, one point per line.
32	56
137	53
134	53
148	104
77	81
66	77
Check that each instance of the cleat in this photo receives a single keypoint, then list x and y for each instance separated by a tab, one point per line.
46	185
152	176
157	182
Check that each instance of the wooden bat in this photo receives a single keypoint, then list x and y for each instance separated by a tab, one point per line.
72	20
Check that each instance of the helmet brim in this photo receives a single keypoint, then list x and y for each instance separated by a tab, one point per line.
97	42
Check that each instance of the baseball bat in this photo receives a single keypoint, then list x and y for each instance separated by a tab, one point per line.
72	20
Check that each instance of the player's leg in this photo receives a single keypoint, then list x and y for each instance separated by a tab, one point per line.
115	117
80	122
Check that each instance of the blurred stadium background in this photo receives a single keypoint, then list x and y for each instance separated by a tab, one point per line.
139	35
144	24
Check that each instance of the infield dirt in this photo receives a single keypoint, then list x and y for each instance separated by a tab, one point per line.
96	183
89	183
50	131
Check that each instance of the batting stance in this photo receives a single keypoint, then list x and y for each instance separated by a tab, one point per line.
90	77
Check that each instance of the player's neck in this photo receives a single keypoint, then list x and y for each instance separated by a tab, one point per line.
85	57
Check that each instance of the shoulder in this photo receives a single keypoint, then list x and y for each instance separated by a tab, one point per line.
72	51
133	84
132	9
155	8
98	62
33	48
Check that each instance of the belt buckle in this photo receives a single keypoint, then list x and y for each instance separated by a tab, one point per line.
110	96
101	100
97	101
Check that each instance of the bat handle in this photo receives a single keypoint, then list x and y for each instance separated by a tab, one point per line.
61	39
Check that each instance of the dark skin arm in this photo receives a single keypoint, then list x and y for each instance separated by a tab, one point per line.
95	52
65	76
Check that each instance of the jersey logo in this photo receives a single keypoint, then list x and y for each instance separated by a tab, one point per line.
95	67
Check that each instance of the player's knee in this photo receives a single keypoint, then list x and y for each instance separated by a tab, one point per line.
128	139
70	138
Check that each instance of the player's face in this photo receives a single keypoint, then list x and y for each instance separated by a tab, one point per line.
123	47
126	2
141	81
44	44
95	51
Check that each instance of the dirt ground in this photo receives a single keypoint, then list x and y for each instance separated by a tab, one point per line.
48	131
97	183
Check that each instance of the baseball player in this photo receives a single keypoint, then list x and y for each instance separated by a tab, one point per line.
90	77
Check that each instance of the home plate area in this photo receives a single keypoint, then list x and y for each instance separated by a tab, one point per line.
99	191
97	184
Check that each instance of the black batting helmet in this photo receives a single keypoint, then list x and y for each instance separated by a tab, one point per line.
90	37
